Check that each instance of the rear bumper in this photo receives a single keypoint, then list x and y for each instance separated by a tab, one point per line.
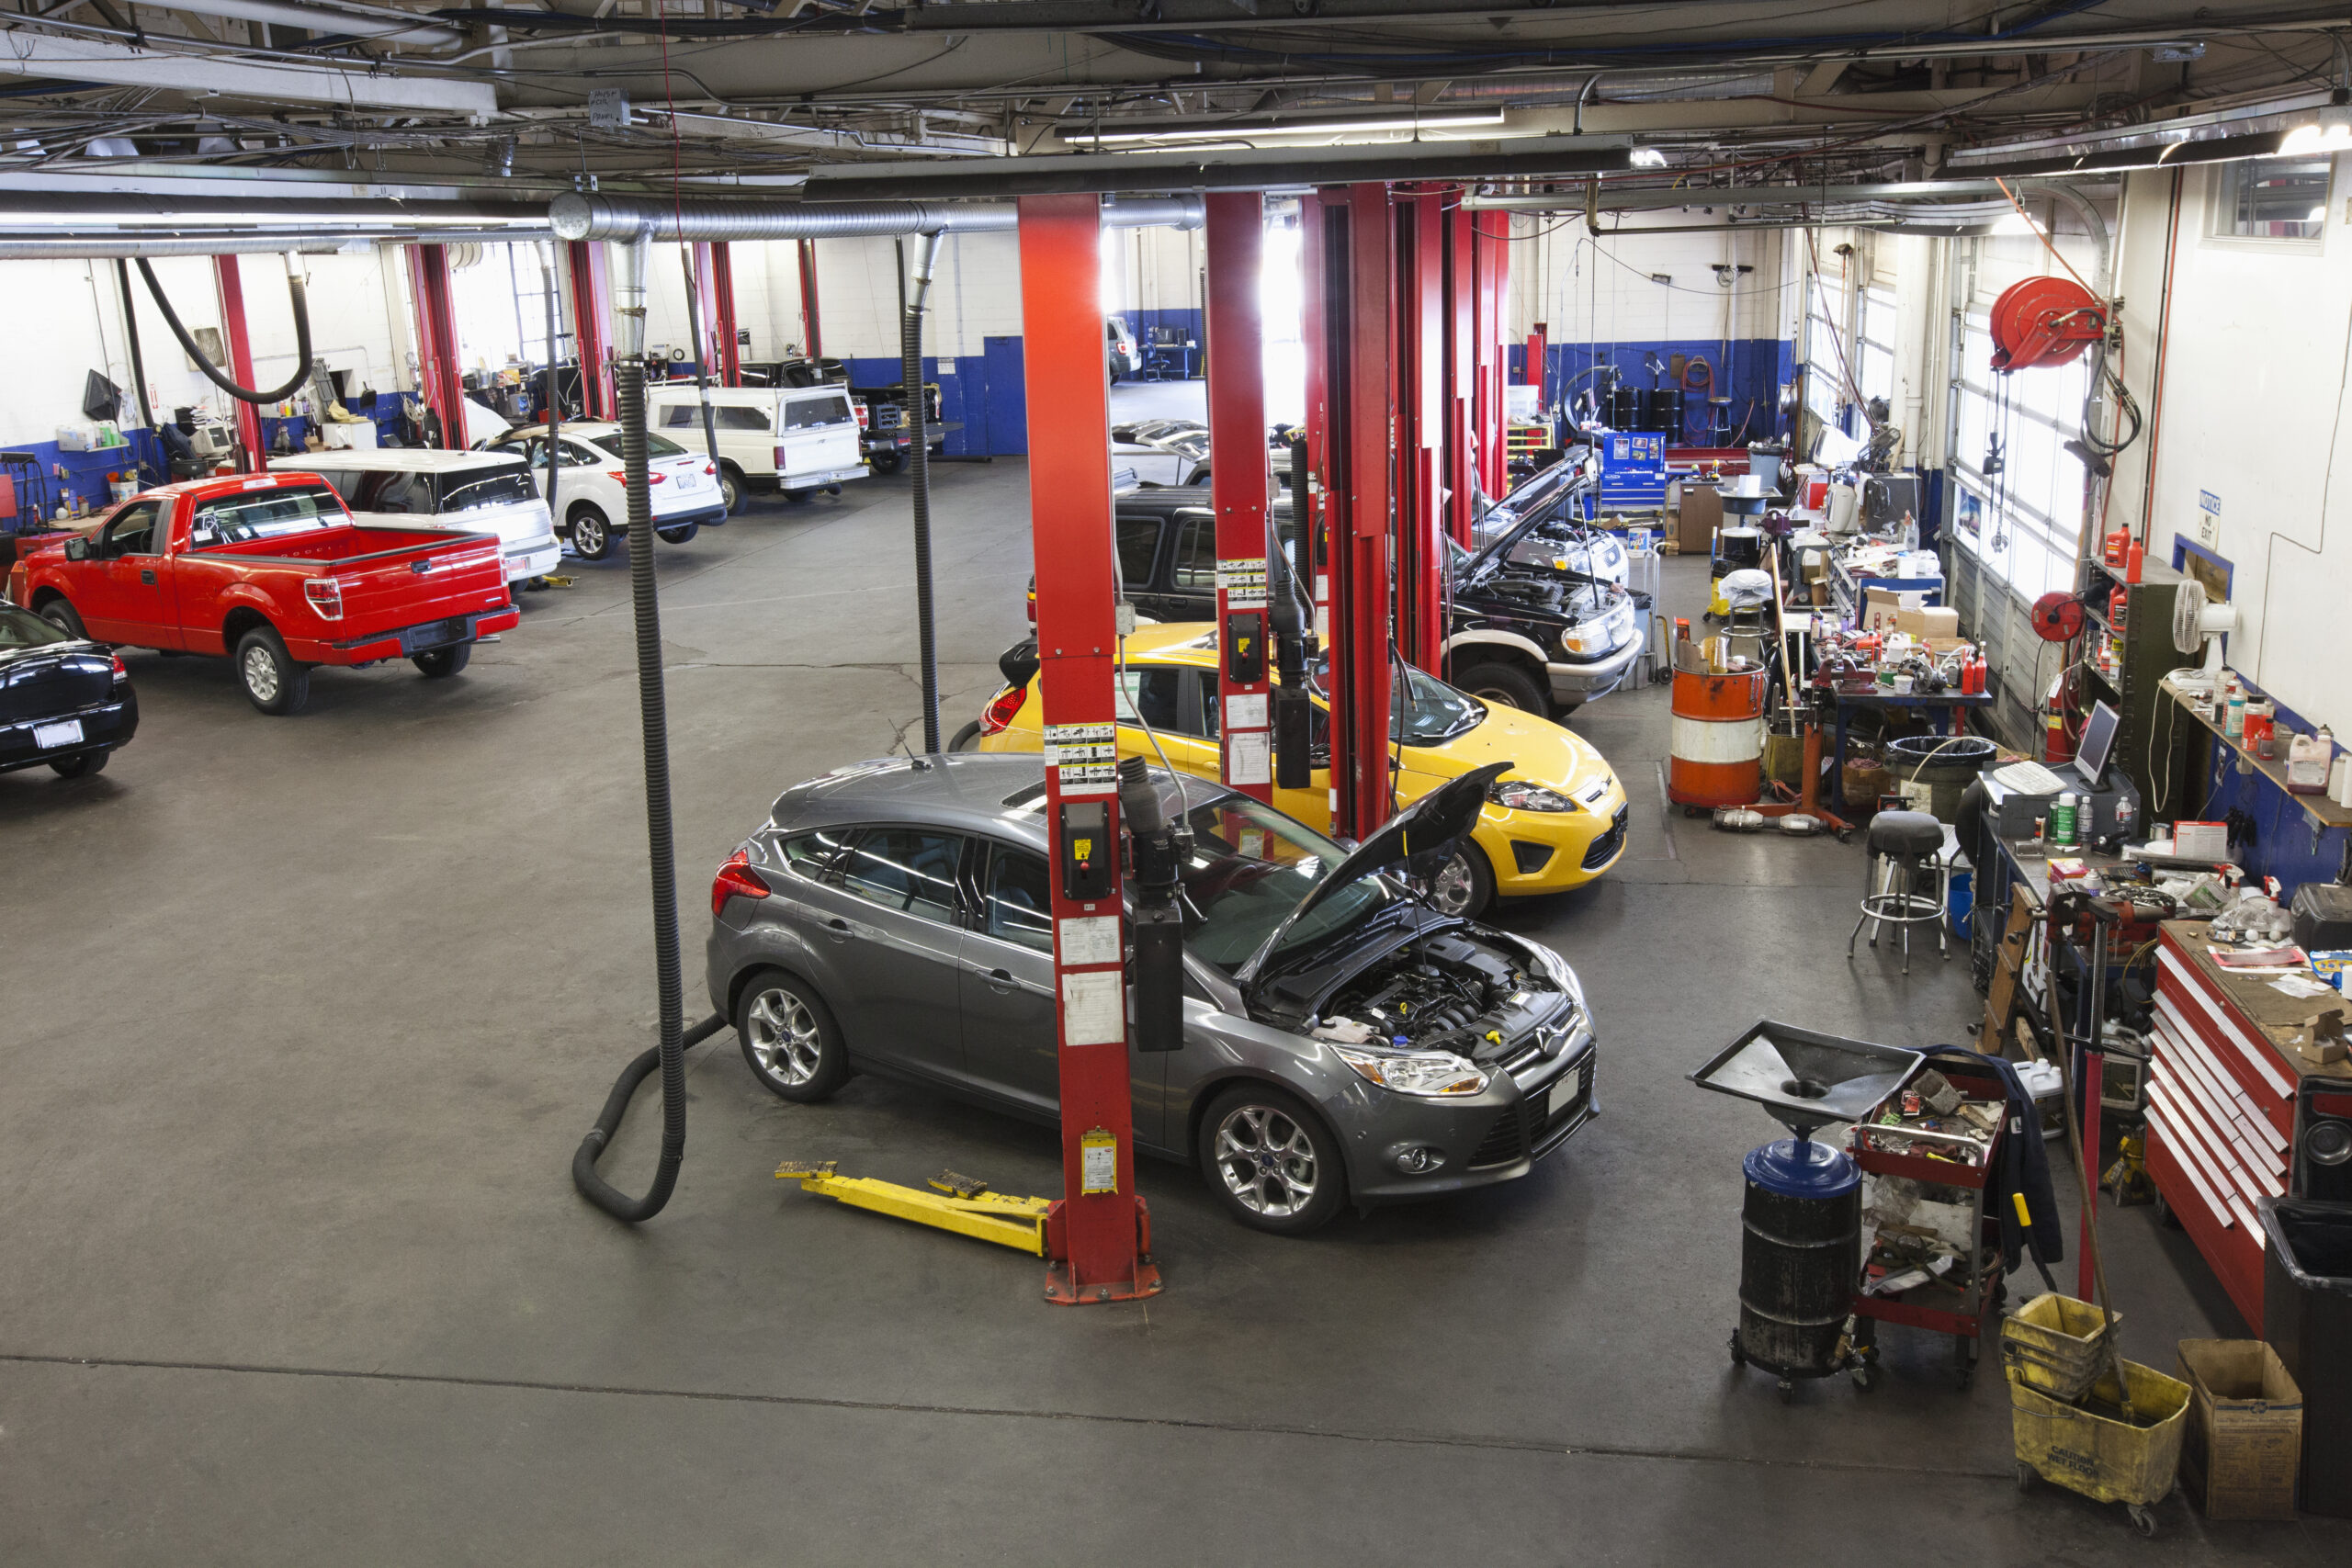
105	726
407	641
826	477
534	559
1581	683
709	517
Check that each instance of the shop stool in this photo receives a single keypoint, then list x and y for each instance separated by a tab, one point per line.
1903	855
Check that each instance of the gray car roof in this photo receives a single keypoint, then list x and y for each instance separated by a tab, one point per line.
966	791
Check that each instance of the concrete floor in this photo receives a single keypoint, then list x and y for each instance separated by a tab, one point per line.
304	1018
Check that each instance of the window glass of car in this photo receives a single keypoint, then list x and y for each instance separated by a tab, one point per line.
1139	543
905	868
1147	694
1422	709
264	514
739	416
815	413
655	445
396	492
132	531
22	628
468	487
811	854
578	456
1196	565
1018	906
1249	867
345	482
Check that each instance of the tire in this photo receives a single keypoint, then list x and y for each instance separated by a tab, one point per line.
832	489
887	462
730	488
683	533
592	533
443	662
1506	684
1270	1161
1465	886
967	738
272	680
789	1039
81	767
63	616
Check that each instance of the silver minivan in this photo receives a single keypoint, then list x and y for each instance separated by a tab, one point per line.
457	492
796	439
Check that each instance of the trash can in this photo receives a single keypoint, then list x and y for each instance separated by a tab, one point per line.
1933	771
2307	1318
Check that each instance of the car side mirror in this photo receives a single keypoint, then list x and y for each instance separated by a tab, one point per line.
77	550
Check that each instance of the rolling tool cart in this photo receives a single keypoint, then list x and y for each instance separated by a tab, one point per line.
1952	1168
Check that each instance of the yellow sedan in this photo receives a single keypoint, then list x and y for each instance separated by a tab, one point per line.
1554	821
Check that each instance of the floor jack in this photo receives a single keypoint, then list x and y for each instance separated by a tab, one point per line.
1807	798
958	1204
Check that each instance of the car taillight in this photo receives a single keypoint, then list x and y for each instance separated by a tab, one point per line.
620	476
325	595
998	715
864	416
710	468
121	670
736	879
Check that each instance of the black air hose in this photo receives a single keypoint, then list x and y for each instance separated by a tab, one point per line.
653	719
294	297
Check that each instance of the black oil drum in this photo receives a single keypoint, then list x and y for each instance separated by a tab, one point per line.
1625	408
1665	414
1800	1256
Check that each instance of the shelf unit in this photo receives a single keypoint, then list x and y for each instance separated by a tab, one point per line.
2318	808
2143	656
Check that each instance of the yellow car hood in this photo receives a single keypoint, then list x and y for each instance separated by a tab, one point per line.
1539	751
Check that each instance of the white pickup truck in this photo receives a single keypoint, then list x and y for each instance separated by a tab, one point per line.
797	439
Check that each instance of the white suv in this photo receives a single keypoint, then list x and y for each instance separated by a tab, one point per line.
460	492
796	439
593	500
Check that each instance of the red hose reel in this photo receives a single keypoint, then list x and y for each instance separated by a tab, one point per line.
2044	320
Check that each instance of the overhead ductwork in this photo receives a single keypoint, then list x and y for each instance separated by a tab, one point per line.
597	216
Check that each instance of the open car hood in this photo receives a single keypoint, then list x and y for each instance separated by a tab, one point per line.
1177	437
1523	520
1430	823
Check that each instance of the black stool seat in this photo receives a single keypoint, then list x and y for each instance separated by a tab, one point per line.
1904	834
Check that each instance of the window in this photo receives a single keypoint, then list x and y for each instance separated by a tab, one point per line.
345	482
1829	351
811	854
680	416
2273	199
817	413
1139	543
132	532
2030	512
735	416
470	488
655	445
1019	903
22	628
1875	337
578	456
906	868
397	493
1196	565
1148	692
265	515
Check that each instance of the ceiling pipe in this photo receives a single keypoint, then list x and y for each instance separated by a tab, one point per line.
2088	216
260	197
1660	198
589	216
308	242
384	25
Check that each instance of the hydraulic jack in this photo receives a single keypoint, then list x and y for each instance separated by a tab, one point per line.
964	1205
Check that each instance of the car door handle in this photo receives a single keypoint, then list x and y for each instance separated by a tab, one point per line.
838	928
145	576
1001	981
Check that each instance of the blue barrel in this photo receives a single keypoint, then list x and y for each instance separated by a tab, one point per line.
1801	1254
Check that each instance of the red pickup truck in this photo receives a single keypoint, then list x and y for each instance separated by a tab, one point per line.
269	570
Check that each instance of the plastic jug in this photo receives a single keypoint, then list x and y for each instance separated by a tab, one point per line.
2307	762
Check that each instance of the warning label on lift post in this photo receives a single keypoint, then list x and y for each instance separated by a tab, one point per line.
1242	580
1084	757
1098	1162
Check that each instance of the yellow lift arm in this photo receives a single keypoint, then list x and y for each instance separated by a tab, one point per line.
959	1204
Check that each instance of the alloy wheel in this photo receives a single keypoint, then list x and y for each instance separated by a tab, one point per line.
1453	886
784	1037
1267	1160
261	675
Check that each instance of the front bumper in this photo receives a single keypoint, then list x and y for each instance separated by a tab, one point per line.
1488	1138
1582	682
105	726
1550	852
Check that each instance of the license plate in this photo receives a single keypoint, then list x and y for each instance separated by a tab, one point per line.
1564	1092
691	480
65	733
436	633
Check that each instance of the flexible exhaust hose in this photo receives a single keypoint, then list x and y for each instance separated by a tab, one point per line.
653	719
294	297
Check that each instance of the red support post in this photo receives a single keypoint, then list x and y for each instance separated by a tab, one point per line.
1357	318
810	323
1460	474
592	308
440	377
1098	1234
1313	219
241	361
719	267
1235	222
1419	376
1532	371
1490	252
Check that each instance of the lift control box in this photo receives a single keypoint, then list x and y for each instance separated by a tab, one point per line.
1083	847
1244	646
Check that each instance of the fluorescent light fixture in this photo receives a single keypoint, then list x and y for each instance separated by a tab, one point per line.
1232	130
2329	133
1648	158
2016	224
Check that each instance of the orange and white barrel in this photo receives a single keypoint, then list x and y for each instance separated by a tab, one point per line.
1718	741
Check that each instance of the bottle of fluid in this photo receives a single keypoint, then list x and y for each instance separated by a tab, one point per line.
2308	758
2064	814
1910	532
2233	721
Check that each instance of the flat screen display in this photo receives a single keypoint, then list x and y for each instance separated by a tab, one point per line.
2098	739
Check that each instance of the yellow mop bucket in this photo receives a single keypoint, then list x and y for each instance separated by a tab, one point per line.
2099	1455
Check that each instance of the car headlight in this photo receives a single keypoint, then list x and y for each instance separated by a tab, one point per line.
1430	1074
1518	794
1584	640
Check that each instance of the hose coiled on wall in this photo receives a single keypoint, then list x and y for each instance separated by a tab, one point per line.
669	1056
295	296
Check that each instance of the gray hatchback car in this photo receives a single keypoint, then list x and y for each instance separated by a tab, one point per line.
1343	1042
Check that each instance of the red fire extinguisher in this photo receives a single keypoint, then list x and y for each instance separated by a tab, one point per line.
2057	716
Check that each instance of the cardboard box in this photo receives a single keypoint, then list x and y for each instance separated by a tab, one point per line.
1927	620
1882	606
2244	1440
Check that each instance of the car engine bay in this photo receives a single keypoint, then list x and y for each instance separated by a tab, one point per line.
1443	992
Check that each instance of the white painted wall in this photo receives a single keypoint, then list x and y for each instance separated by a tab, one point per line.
1603	291
2256	413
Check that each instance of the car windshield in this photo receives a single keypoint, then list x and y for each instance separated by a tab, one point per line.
265	515
1422	709
1249	867
22	628
655	445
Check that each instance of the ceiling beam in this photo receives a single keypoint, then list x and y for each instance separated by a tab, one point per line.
94	60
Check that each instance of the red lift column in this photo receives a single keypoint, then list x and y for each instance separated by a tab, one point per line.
1236	244
1490	258
1419	375
440	379
717	265
241	360
1458	471
592	307
809	317
1097	1236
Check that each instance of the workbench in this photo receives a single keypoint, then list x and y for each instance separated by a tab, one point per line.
1947	710
2221	1102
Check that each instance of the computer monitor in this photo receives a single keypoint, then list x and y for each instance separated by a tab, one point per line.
2098	741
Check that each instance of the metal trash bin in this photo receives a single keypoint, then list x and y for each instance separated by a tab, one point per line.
2307	1318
